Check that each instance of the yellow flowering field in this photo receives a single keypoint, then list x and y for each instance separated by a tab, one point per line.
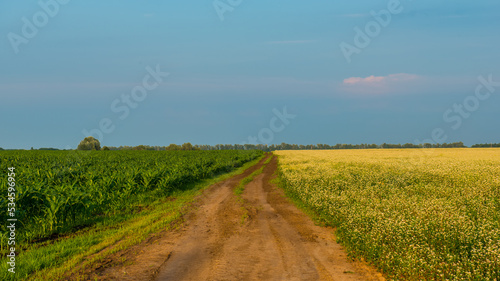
428	214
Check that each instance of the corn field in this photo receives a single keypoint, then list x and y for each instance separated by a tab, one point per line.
65	190
414	214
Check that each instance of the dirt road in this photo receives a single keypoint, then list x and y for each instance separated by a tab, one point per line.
261	236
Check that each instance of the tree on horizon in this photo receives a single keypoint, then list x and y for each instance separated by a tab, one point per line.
89	143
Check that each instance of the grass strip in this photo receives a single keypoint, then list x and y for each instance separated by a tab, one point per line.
241	186
238	191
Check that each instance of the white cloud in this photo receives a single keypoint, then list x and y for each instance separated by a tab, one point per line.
377	80
379	84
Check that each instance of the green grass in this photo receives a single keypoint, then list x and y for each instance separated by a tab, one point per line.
238	191
56	258
268	160
241	186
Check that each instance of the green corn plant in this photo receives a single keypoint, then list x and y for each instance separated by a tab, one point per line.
59	190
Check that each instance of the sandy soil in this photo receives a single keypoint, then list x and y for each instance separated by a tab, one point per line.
261	236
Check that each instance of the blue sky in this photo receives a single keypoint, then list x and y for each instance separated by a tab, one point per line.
227	76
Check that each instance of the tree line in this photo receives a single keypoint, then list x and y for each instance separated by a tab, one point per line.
486	145
93	144
286	146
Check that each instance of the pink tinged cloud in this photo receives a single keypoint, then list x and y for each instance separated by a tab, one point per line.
370	80
378	85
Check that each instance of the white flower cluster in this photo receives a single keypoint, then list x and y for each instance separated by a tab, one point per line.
437	218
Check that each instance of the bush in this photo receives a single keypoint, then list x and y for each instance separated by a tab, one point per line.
89	143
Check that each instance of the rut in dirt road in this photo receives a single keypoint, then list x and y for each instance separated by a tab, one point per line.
262	237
